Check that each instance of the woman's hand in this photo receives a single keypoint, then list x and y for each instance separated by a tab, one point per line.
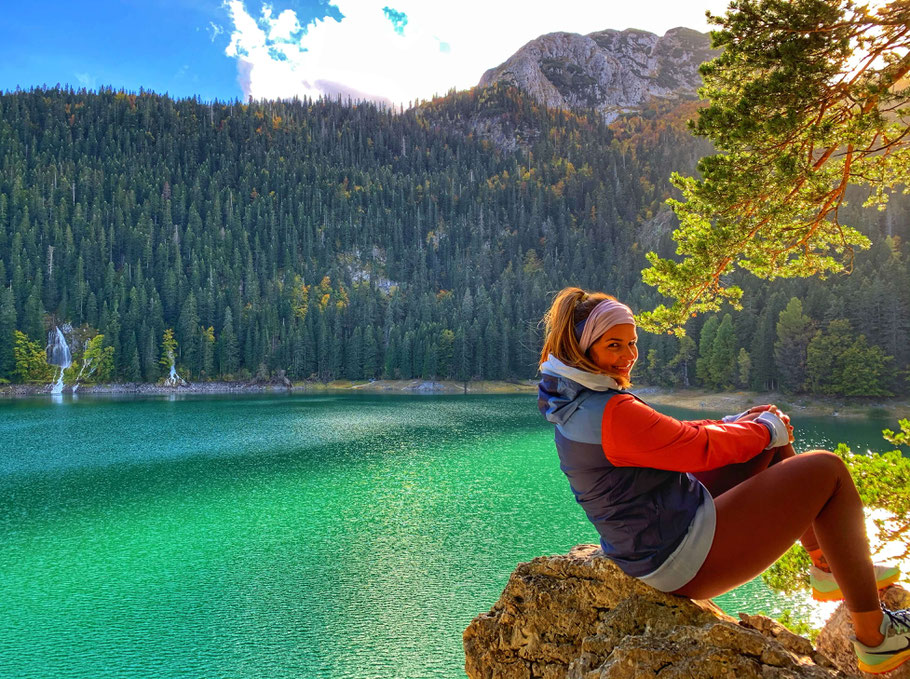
755	411
748	417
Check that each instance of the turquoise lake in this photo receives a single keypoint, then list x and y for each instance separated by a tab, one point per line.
281	536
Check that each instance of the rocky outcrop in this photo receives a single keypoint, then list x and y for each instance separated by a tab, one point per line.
263	379
609	71
578	616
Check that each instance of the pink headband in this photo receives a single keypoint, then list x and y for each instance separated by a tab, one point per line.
603	317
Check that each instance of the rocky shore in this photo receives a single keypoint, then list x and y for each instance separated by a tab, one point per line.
282	384
577	616
795	404
691	399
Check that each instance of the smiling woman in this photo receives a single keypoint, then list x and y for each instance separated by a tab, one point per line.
617	351
589	315
699	508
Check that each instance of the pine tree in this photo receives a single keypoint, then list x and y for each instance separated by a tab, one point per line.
446	354
840	361
430	362
227	345
207	349
492	349
324	350
111	332
801	100
761	351
354	356
134	369
743	367
188	335
336	349
794	330
680	363
722	369
651	372
149	357
7	327
390	369
370	353
706	350
34	316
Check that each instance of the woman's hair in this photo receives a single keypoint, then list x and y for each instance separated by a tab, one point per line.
570	307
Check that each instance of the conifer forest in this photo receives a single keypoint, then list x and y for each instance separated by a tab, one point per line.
330	240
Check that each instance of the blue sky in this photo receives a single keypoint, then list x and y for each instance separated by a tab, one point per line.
393	50
163	45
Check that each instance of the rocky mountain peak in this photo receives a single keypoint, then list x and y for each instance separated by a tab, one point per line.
609	71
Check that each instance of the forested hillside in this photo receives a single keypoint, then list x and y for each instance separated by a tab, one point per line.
330	240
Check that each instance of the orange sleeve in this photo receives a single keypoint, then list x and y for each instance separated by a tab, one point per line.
635	435
700	422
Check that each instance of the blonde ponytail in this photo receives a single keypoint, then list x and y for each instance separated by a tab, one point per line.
570	307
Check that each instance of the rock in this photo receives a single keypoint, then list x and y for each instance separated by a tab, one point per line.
577	616
792	642
609	71
279	379
834	638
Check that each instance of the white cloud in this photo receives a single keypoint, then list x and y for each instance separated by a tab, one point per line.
284	28
214	30
445	45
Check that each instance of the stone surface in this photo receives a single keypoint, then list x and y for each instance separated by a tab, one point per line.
609	71
578	616
794	643
834	638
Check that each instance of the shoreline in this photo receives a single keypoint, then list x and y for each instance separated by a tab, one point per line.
277	386
857	407
691	399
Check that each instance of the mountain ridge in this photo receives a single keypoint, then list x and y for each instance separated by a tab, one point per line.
609	71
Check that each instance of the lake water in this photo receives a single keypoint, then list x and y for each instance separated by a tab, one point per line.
280	536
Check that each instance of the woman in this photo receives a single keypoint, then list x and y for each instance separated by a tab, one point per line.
698	508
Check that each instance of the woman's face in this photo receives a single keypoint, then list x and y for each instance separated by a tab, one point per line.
616	350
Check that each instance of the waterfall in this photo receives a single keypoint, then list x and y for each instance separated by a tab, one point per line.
59	355
173	379
82	368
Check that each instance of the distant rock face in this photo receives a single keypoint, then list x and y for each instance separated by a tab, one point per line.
609	71
578	616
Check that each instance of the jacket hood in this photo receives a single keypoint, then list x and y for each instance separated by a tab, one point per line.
562	387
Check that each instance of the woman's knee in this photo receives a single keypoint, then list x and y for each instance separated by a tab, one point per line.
825	464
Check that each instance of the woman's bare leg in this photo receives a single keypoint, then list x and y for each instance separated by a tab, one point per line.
760	518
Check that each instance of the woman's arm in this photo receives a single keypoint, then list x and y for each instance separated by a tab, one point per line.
746	415
699	423
635	435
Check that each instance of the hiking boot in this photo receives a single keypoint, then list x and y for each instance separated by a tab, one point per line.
824	587
894	651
